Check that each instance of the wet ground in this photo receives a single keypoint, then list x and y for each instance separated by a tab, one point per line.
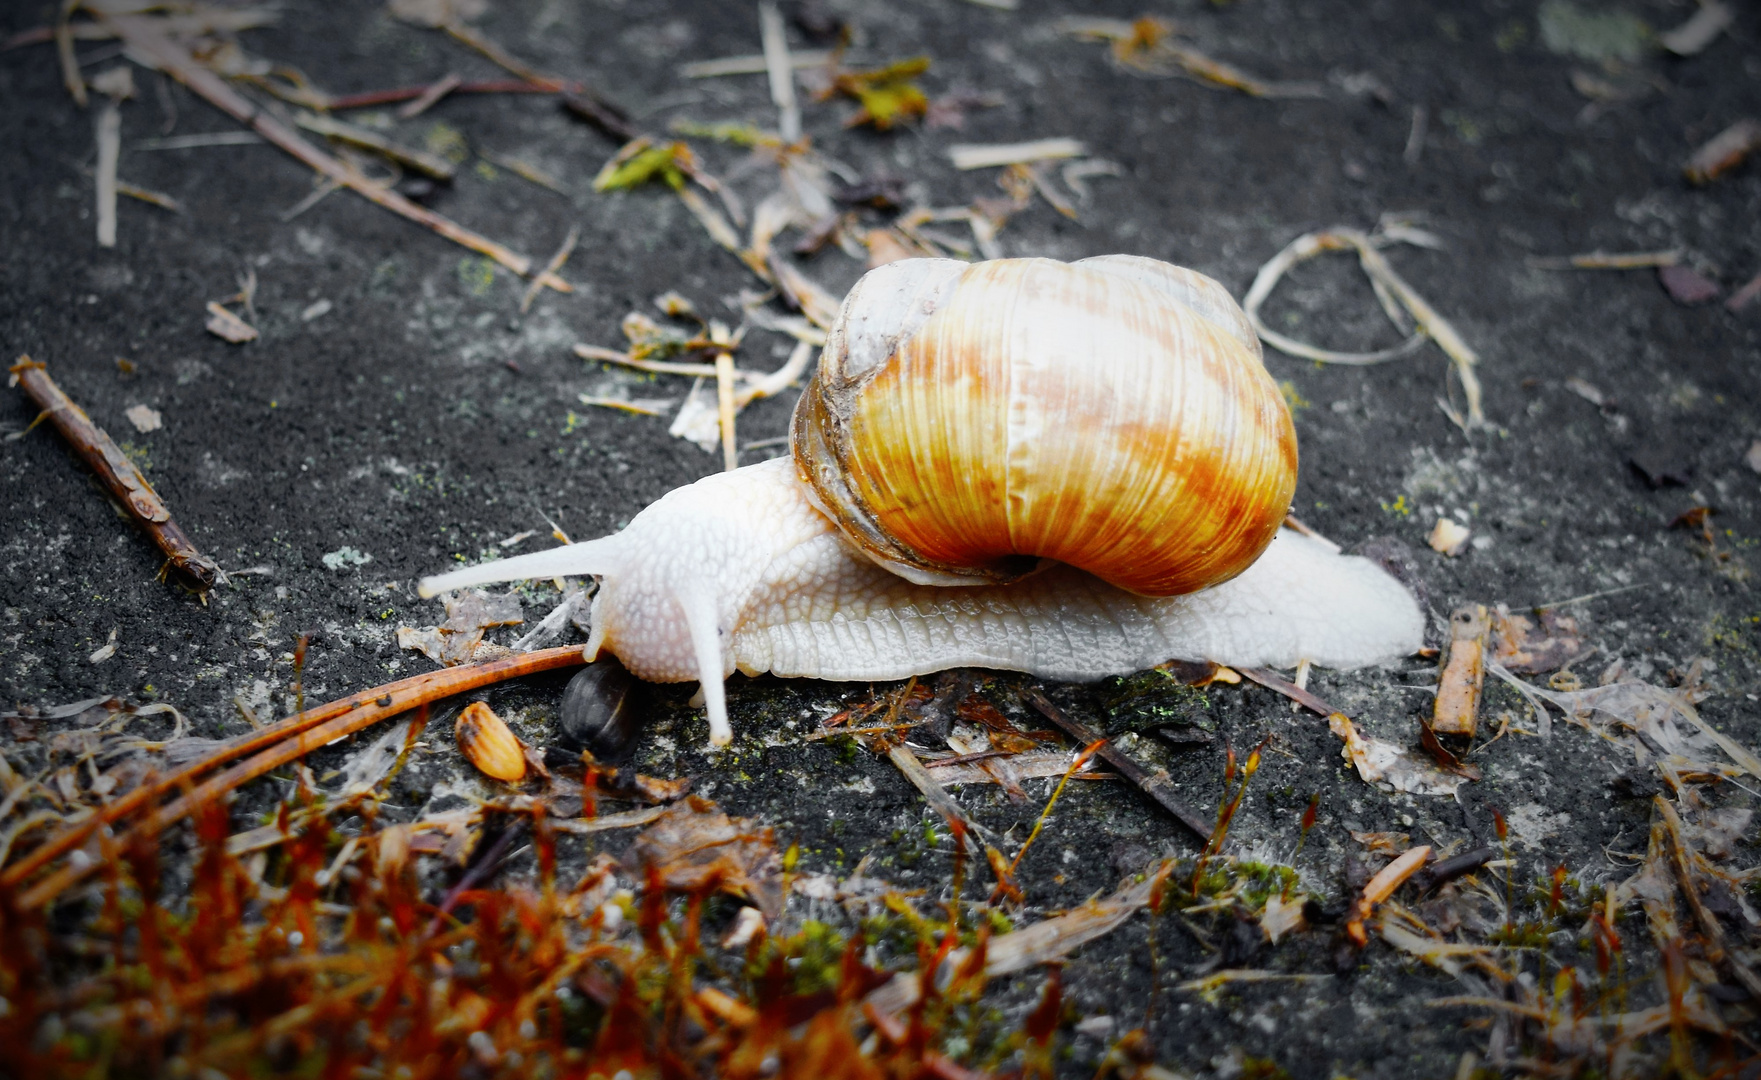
422	418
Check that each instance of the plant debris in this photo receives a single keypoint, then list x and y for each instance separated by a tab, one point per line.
120	475
488	744
459	640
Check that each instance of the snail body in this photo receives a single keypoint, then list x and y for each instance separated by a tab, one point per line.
914	531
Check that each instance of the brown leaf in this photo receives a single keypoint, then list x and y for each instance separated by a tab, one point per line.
1004	734
1518	646
694	845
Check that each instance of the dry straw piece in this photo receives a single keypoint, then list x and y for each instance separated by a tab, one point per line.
1397	297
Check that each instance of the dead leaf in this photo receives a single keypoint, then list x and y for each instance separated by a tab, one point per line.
460	638
1282	916
1518	646
694	844
1379	762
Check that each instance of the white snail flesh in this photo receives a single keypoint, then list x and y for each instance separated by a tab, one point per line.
748	570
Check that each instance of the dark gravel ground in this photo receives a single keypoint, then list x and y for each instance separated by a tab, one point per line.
424	418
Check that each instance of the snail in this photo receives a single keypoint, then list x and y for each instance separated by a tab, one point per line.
1073	470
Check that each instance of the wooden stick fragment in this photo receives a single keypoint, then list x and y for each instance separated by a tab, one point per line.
195	570
1381	887
1456	710
1157	786
143	35
274	745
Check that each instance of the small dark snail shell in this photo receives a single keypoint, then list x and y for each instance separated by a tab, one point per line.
599	712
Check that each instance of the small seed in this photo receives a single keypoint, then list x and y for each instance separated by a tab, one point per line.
487	742
599	711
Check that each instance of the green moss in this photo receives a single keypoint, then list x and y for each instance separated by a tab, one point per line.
1152	699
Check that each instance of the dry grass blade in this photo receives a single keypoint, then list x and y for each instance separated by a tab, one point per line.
109	150
144	36
1724	151
1430	323
1720	951
780	71
119	474
966	156
750	65
725	409
550	268
274	744
429	165
1602	260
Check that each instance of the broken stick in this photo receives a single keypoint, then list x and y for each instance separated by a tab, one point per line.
195	570
1156	785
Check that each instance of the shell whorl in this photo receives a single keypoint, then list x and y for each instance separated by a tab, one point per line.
1112	414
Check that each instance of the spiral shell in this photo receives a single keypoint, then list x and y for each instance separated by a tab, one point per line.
969	421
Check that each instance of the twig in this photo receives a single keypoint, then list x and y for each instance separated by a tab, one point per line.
1415	137
555	264
1289	689
372	98
1157	786
1447	870
429	165
119	474
274	745
432	95
1708	922
144	37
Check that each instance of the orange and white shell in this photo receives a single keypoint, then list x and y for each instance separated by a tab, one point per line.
1114	414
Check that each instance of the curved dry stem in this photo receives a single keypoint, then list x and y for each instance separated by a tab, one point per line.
273	746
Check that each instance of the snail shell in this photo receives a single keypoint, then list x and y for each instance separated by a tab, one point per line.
969	421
